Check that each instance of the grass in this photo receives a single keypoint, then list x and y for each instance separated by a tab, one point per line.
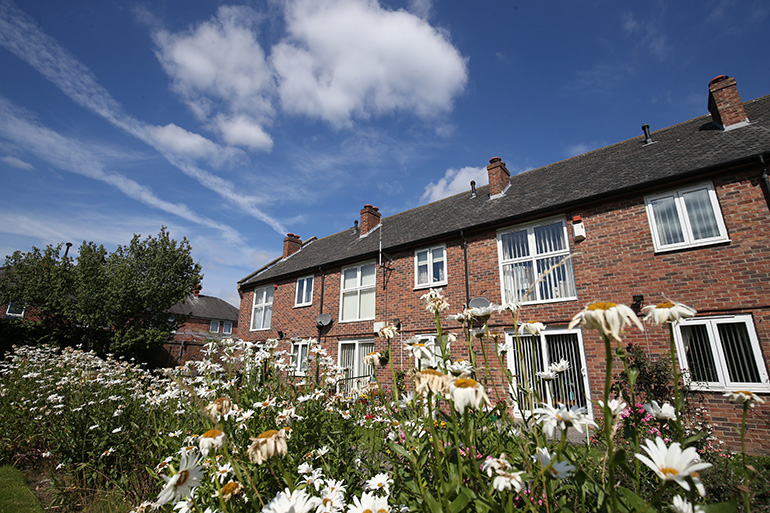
16	496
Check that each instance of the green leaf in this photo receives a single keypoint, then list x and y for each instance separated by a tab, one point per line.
462	500
633	501
433	504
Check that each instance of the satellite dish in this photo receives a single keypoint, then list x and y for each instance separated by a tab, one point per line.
323	320
478	302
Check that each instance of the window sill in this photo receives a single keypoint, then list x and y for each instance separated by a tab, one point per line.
304	305
371	319
259	329
678	247
431	285
547	301
757	388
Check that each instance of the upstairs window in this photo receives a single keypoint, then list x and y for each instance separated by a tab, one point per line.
721	353
262	311
430	267
214	327
358	290
227	327
684	218
304	295
530	252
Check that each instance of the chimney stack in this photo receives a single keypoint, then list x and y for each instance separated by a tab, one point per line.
370	218
499	176
725	103
291	244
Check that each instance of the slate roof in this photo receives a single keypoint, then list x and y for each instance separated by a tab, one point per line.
206	307
685	150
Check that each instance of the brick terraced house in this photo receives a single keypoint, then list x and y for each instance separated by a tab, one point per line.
206	318
680	213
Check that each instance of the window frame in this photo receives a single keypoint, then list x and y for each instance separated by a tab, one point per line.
511	335
296	364
358	363
724	384
431	283
358	289
211	326
533	257
684	219
14	315
436	349
304	281
226	331
269	289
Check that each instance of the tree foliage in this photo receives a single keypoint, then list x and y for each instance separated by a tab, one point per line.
111	302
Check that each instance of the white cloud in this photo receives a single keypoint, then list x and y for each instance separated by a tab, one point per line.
352	58
421	8
219	58
241	131
176	139
455	181
649	34
17	163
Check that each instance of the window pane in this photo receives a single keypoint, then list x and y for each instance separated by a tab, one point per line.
350	278
517	278
367	304
367	275
269	294
701	215
667	221
349	306
697	349
256	319
738	354
559	282
303	357
347	362
214	327
438	254
309	290
422	257
268	316
422	274
227	328
549	238
438	271
533	362
569	388
364	349
260	298
300	292
515	245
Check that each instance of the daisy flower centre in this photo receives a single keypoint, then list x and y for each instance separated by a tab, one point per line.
229	488
432	372
669	472
602	305
465	383
211	433
268	433
665	304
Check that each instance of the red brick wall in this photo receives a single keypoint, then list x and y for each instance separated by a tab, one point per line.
616	261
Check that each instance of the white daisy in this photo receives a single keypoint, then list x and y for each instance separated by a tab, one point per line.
609	318
668	312
664	412
180	484
287	501
467	392
673	463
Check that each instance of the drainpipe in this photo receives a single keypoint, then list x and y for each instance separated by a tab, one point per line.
323	282
465	257
765	179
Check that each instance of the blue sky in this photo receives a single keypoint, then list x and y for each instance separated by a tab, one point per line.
235	123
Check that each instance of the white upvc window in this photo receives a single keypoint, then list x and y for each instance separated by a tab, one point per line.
227	327
304	294
721	353
529	252
262	311
299	354
214	327
351	359
551	346
686	217
357	296
430	267
14	309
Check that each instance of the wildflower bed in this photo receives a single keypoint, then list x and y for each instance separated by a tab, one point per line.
233	433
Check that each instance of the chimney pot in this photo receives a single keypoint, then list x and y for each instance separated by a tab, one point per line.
725	103
499	176
291	244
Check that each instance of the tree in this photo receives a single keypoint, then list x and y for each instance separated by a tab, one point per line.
111	302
